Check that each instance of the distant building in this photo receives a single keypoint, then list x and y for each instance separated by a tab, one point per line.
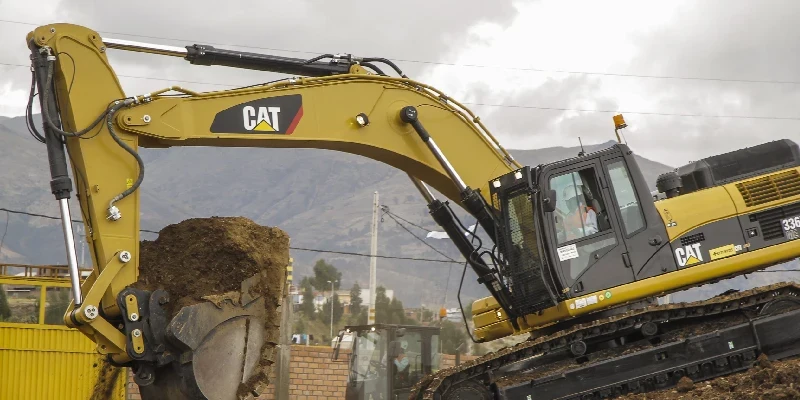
320	298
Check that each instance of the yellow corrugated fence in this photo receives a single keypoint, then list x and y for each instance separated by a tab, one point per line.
40	358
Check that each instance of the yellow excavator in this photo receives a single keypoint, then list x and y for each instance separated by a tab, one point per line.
575	252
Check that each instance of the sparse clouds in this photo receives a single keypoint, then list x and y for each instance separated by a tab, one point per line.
709	39
521	42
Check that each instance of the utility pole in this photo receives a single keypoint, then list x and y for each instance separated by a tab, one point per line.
372	261
331	301
285	341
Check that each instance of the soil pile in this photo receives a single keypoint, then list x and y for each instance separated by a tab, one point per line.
207	259
199	257
764	381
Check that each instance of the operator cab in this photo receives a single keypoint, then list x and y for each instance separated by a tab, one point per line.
386	361
578	226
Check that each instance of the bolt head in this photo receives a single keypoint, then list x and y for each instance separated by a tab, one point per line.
52	30
90	312
125	256
146	118
136	333
134	317
362	119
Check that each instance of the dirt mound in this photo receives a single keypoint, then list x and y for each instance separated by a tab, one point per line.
764	381
207	259
207	256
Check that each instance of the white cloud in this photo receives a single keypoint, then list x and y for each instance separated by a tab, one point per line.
12	101
678	39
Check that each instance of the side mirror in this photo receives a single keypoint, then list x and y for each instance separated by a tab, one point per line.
549	201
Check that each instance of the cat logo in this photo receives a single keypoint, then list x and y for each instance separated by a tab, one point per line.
267	120
275	115
689	255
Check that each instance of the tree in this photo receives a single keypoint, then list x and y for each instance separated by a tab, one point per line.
360	318
381	306
355	299
5	310
452	336
427	315
358	313
390	311
58	302
307	306
338	310
324	272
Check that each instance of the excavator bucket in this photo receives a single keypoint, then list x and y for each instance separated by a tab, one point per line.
210	292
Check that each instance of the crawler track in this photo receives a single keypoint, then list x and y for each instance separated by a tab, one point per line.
488	369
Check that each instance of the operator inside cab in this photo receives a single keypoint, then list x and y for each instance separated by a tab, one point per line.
581	218
400	367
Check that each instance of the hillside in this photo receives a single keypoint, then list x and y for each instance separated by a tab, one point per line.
323	199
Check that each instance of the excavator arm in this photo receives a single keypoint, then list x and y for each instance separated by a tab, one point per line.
345	104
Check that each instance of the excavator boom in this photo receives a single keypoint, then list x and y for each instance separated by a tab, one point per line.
335	105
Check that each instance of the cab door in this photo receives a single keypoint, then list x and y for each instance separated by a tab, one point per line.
643	231
586	240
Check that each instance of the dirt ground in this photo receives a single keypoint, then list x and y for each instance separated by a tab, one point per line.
206	259
778	380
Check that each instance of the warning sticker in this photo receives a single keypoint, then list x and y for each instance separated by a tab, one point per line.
723	251
585	301
567	252
580	303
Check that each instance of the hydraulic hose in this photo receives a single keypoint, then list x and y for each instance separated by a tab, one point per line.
113	211
46	111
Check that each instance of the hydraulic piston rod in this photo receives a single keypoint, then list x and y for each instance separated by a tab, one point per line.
472	200
60	183
200	54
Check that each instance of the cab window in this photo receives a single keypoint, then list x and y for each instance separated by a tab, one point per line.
580	211
625	195
407	365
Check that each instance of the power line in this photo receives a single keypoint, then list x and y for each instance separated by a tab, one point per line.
462	65
378	256
588	110
386	210
292	248
391	215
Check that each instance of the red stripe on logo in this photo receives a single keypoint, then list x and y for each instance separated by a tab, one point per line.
295	121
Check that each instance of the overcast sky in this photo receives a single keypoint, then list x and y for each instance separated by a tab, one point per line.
521	54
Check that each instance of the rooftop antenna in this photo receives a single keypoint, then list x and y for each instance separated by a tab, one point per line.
581	153
619	123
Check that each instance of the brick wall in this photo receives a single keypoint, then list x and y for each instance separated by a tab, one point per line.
312	374
133	390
